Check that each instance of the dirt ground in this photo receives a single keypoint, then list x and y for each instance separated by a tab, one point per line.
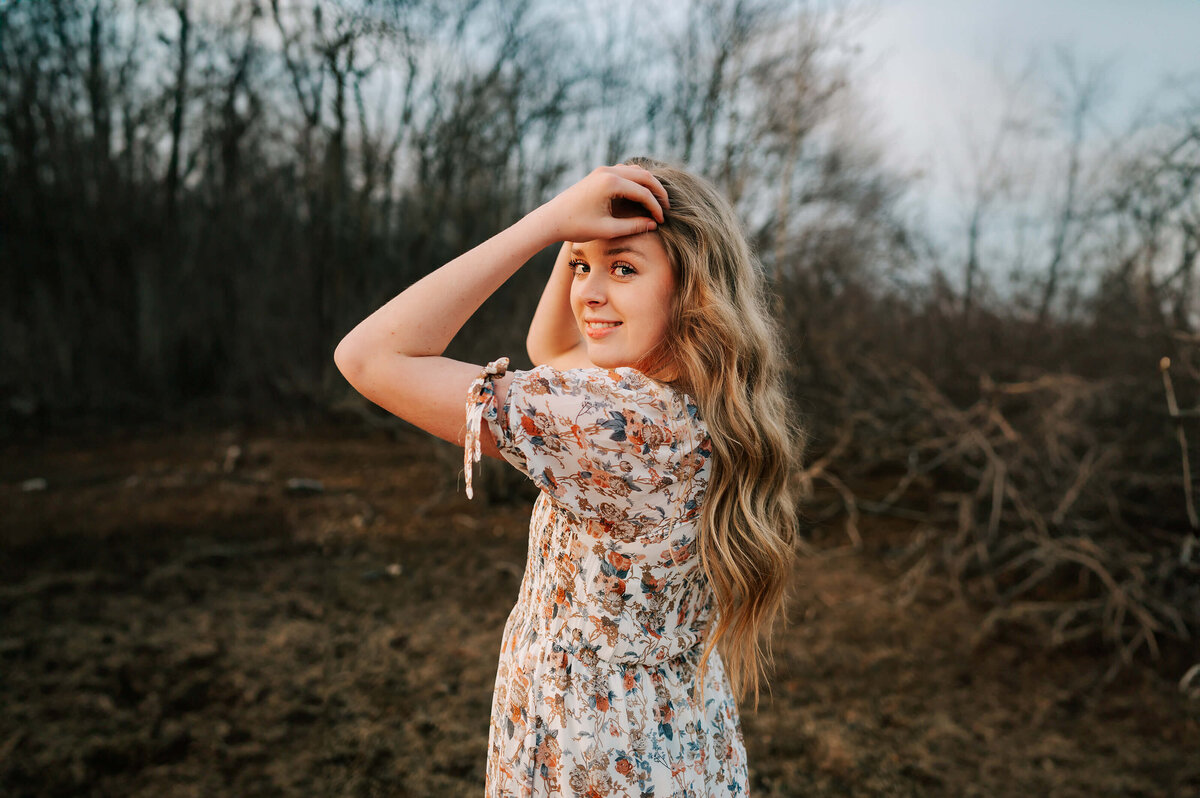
178	619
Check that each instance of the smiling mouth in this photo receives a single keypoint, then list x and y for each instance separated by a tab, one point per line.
599	329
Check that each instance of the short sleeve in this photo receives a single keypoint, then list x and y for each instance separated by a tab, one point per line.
607	444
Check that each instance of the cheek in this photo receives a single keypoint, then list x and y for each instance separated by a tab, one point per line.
657	315
666	301
664	320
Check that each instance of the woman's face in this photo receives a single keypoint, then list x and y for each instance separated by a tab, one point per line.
621	296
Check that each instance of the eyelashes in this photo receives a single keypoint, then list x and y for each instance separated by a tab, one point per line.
619	269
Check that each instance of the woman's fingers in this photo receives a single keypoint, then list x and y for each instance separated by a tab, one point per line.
643	177
640	194
629	226
611	201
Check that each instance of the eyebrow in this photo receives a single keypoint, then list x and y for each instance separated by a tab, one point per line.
609	253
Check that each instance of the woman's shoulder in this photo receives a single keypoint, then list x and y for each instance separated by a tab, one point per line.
624	383
623	391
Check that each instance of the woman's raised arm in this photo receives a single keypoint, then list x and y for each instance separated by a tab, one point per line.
393	357
554	335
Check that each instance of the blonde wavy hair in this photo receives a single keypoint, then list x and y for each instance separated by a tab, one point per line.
723	349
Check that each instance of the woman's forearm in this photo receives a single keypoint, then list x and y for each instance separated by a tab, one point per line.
425	317
553	332
393	357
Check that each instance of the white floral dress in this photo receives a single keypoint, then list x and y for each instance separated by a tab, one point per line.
596	691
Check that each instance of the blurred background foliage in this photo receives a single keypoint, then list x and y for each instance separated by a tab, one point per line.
199	199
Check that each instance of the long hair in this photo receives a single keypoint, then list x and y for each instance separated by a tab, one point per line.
724	350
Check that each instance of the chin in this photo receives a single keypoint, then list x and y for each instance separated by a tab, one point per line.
606	360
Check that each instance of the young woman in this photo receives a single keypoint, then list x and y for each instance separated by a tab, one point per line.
657	429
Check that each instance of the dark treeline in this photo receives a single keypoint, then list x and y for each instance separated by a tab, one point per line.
198	199
201	198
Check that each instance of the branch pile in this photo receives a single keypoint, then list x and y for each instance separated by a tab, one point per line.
1055	502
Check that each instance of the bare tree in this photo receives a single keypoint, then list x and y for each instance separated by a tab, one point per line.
1077	99
993	176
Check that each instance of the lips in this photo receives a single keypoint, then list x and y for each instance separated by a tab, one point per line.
598	328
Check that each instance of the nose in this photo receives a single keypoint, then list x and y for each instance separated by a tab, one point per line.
592	290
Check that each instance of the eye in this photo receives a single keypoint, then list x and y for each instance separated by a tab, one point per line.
623	270
579	267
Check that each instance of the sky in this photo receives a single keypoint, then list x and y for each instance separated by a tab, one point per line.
929	68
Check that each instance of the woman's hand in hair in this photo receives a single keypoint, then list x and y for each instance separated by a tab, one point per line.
612	201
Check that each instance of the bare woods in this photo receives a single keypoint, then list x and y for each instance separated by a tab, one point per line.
198	199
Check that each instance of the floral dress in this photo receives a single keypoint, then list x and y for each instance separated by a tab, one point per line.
596	691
